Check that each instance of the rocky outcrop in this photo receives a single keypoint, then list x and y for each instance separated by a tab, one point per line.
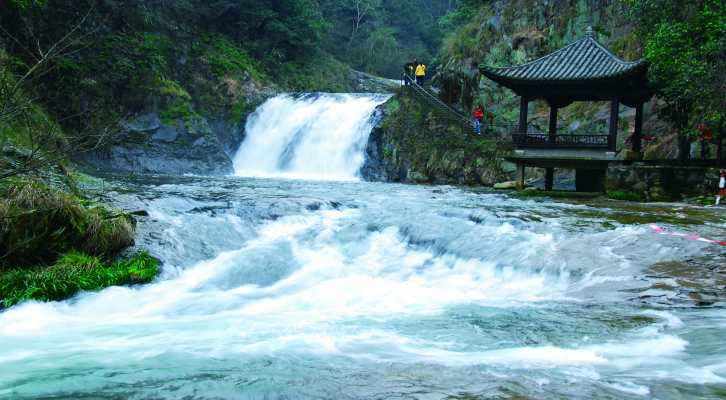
145	144
410	144
661	182
379	165
194	141
366	83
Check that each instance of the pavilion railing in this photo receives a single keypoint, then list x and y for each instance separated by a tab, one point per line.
543	140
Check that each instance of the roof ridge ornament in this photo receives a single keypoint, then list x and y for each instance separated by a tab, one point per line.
589	32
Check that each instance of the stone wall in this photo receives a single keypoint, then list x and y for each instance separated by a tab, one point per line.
661	182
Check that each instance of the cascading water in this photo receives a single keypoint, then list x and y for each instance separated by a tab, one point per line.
319	136
300	289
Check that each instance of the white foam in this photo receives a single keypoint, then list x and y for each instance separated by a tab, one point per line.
317	137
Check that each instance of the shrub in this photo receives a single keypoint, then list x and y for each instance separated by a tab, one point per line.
72	273
39	222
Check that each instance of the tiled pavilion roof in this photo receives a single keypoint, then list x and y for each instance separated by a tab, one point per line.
582	61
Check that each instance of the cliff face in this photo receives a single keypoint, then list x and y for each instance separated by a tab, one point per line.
187	141
412	144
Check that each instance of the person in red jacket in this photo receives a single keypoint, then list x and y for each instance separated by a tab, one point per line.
478	115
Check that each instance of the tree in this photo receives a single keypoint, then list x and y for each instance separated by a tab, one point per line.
21	118
685	43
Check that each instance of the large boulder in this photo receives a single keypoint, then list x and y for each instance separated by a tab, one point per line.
145	144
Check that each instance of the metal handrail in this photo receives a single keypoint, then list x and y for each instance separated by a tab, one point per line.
439	105
501	129
543	140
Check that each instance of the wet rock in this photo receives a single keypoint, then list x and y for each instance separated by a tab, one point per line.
506	185
165	134
150	146
367	83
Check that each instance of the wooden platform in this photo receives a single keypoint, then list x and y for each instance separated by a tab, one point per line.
590	165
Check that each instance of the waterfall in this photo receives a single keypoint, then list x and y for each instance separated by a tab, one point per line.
319	136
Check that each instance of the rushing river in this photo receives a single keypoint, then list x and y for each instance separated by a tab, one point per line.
284	289
290	289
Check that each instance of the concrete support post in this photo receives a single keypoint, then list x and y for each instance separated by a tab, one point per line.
521	174
549	178
590	180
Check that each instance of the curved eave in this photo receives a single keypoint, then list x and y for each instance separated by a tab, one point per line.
501	75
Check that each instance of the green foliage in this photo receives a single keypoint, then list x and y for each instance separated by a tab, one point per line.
686	45
625	195
434	149
39	222
25	4
276	30
72	273
225	58
325	74
380	36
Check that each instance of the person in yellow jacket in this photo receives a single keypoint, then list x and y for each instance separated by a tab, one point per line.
420	73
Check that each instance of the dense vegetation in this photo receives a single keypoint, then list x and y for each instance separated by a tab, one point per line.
71	273
686	45
54	243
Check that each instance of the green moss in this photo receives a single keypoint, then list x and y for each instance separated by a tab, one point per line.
240	110
226	58
176	102
321	73
72	273
172	89
176	111
625	195
39	222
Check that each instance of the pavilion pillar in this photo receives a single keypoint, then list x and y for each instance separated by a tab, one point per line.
614	114
637	139
553	124
523	113
521	174
549	178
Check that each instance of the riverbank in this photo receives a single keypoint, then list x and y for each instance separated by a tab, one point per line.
56	243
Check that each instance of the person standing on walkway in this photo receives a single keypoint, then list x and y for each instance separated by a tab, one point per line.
721	187
420	73
408	71
478	115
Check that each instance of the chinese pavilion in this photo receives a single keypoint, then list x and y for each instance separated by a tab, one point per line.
581	71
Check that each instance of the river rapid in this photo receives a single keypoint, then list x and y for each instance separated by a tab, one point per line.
276	286
287	289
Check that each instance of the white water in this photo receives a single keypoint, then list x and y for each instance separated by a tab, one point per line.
317	136
327	290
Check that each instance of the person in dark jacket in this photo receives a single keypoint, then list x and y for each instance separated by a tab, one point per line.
408	71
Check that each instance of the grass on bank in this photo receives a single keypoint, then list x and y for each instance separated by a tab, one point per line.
54	244
72	273
39	222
